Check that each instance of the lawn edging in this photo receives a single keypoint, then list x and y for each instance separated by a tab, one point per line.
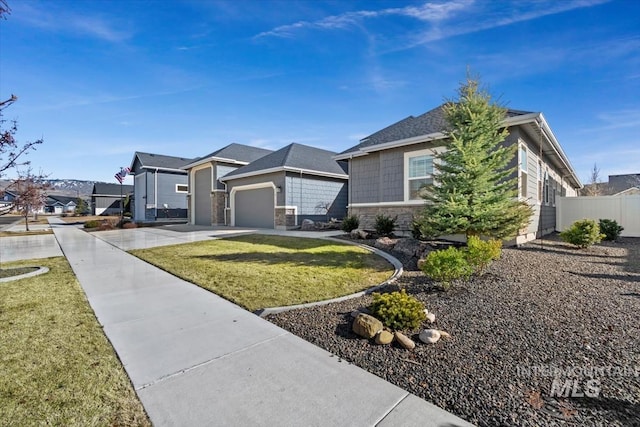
398	270
40	270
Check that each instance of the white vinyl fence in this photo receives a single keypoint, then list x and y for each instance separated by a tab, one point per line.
624	209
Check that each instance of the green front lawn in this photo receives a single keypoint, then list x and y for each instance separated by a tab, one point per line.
56	365
259	271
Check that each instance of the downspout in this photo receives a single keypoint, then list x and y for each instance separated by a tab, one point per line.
155	193
226	201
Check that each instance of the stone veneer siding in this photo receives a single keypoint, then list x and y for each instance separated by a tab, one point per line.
218	204
285	218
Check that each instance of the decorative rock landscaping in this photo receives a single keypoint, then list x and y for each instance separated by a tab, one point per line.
541	306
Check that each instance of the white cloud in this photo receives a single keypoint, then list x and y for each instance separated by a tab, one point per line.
428	12
53	20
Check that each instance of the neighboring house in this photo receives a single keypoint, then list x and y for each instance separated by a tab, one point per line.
107	199
618	185
160	187
60	204
8	196
207	195
388	168
624	183
287	186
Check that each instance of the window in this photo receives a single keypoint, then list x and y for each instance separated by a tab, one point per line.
546	190
419	174
182	188
523	171
539	172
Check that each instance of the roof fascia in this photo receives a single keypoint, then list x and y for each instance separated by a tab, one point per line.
165	169
213	159
284	169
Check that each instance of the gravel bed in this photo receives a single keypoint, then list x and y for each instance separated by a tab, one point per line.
542	306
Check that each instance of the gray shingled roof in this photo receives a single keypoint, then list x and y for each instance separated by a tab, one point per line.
296	156
161	161
239	152
105	188
428	123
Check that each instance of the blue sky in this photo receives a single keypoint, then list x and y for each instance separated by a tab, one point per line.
102	79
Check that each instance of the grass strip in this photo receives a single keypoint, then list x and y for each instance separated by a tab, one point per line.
258	271
56	365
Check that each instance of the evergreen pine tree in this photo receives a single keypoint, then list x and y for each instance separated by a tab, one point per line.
474	190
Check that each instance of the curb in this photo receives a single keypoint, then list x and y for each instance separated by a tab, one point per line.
397	265
40	270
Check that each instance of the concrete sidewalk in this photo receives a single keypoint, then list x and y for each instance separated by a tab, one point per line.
17	248
150	237
196	359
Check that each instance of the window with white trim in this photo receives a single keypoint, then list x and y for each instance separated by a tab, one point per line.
419	173
182	188
524	171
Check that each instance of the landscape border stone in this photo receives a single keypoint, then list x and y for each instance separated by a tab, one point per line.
40	270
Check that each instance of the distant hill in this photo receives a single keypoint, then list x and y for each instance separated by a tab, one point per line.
64	187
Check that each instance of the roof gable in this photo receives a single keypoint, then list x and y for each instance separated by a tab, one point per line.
105	188
150	160
293	156
431	122
235	152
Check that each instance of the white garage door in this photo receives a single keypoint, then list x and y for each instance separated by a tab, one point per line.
254	208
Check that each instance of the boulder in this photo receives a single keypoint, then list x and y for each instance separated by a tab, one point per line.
366	326
384	337
429	336
385	243
364	310
444	334
307	225
404	341
359	234
408	246
431	317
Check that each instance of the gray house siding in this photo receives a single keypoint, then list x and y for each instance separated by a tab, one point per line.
104	205
222	170
277	178
365	178
145	195
202	197
311	194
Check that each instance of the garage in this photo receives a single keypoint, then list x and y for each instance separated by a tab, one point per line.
254	208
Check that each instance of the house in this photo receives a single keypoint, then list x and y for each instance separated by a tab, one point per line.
60	204
618	185
160	187
108	199
207	197
388	168
285	187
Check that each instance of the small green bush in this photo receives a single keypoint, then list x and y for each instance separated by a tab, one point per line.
92	224
447	265
350	223
397	310
480	253
385	224
582	233
610	228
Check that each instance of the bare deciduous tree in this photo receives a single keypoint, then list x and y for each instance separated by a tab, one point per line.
10	149
30	190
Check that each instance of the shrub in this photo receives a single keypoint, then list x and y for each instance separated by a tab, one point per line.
397	310
480	253
385	224
447	265
610	229
582	233
129	225
350	223
92	224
